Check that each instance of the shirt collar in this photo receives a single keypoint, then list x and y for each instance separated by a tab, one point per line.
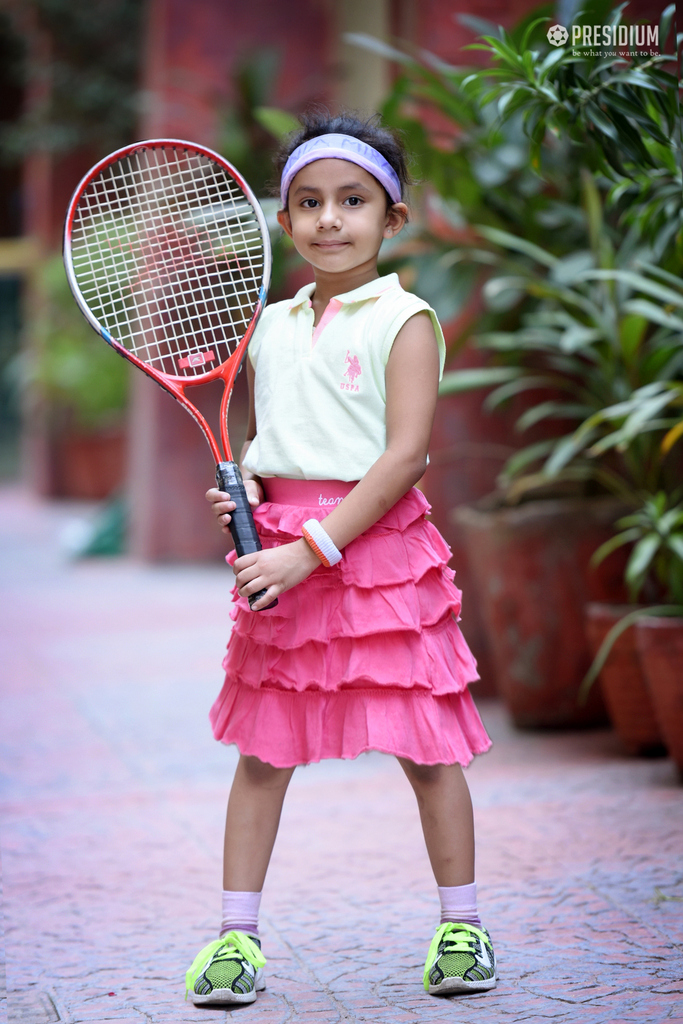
370	290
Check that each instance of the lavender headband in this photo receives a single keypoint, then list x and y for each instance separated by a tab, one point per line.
341	147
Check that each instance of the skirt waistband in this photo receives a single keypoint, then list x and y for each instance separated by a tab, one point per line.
307	493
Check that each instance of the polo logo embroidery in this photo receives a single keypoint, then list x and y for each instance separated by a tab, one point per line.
352	372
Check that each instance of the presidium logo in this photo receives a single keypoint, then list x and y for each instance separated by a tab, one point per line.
635	37
557	35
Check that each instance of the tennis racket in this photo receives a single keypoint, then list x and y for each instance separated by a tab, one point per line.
167	254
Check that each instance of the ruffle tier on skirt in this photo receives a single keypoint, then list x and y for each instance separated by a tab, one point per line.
366	655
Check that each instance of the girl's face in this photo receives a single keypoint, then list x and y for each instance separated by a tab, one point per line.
337	216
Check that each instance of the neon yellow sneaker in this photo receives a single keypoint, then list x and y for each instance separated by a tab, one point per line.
460	959
228	970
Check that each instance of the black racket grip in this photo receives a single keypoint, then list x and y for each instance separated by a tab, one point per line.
242	528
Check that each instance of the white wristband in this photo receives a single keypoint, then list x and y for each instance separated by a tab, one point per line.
318	540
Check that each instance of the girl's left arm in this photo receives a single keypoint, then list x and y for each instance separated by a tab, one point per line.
412	380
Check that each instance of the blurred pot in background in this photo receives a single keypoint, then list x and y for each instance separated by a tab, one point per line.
82	387
654	573
532	569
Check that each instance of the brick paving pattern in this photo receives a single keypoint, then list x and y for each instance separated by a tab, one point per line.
112	809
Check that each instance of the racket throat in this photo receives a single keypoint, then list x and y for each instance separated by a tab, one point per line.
242	528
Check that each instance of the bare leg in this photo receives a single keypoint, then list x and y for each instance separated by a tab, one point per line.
251	825
445	809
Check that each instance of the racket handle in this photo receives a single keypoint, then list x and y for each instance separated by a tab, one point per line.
242	527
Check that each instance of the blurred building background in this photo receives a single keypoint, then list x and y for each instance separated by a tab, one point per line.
82	77
79	78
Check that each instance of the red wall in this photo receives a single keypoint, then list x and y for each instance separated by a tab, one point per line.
193	48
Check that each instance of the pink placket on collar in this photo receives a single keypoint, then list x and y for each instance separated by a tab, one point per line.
333	307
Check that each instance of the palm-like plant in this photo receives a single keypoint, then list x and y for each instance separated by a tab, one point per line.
598	353
654	567
474	169
657	406
513	136
583	312
655	532
622	114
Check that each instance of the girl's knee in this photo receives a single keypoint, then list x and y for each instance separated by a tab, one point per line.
420	774
424	775
260	773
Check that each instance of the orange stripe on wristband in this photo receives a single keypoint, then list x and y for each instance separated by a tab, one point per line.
314	547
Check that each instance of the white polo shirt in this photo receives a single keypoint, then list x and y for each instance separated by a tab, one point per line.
320	394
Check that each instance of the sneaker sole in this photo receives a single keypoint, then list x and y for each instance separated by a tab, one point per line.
223	997
450	985
226	995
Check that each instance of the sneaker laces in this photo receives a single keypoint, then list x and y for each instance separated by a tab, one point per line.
237	941
458	937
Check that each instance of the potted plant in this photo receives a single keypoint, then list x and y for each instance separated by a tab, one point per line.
653	411
654	574
559	326
579	351
83	387
472	168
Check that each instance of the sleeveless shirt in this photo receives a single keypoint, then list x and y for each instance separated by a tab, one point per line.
320	394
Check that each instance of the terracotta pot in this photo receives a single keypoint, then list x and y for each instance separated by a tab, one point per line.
622	681
531	565
88	465
660	645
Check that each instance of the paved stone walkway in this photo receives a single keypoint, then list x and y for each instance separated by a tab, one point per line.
112	805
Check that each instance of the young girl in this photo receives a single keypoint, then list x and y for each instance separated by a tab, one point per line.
362	651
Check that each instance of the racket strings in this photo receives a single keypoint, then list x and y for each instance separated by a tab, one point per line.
168	254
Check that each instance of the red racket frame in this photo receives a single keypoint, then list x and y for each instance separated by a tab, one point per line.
228	370
228	476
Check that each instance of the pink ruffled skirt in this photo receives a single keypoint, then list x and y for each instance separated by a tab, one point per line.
366	655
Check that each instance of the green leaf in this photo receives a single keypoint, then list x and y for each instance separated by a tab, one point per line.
628	107
479	377
577	337
529	31
517	244
627	537
665	25
528	62
517	387
549	62
604	651
669	520
639	78
656	271
637	282
601	121
640	562
377	46
645	411
278	122
653	313
675	544
506	53
525	456
551	410
565	450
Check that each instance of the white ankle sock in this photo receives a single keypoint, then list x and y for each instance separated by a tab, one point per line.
240	912
459	903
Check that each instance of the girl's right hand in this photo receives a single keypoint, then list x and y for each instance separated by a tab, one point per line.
222	504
